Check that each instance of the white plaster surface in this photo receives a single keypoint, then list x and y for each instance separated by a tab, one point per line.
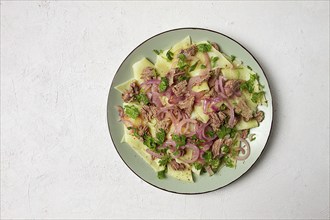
57	63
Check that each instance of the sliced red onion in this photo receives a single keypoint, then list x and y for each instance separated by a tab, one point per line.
248	150
232	114
154	154
156	100
195	153
221	85
178	129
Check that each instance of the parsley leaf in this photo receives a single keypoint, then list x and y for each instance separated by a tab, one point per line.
135	131
161	136
228	162
163	84
223	131
210	133
161	174
180	140
131	111
224	149
157	52
232	58
203	66
169	55
142	98
214	61
207	156
249	85
204	47
164	160
193	67
249	68
182	61
183	77
149	142
256	96
198	166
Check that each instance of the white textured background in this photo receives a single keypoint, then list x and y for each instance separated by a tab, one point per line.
57	62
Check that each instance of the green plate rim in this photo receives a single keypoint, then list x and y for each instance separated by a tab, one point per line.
271	123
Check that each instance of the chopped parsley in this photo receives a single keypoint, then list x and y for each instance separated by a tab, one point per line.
232	58
196	140
161	135
183	77
182	61
225	149
204	47
164	160
149	142
214	61
257	96
210	133
180	140
249	85
157	51
197	166
161	174
193	67
169	55
131	111
223	131
142	98
203	66
249	68
135	131
207	156
163	84
228	162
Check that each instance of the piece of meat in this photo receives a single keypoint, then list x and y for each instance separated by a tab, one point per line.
214	76
231	87
216	46
148	73
148	112
177	166
222	116
259	116
244	110
215	121
164	124
187	104
228	141
245	133
142	129
180	88
191	51
129	94
216	147
173	75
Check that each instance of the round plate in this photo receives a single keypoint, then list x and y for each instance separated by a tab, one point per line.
202	183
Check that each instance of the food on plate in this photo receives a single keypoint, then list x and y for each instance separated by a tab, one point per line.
191	112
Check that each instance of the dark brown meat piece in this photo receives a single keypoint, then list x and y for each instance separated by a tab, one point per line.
142	129
231	87
228	141
243	109
177	166
214	76
129	94
164	124
216	46
216	147
215	121
148	73
173	74
259	116
187	104
191	51
180	88
148	112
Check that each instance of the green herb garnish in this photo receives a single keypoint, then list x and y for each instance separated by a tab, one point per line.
157	51
256	96
149	142
193	67
210	133
232	58
163	84
180	140
161	135
131	111
183	77
249	85
249	68
225	149
197	166
228	162
182	61
223	131
142	98
203	66
204	47
161	174
164	160
214	61
169	55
